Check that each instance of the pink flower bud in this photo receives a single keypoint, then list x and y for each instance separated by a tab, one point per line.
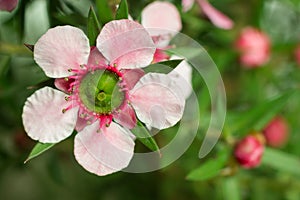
8	5
297	54
276	132
254	46
248	151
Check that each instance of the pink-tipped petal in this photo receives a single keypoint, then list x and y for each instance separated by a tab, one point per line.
216	17
61	48
182	75
43	118
8	5
63	84
187	5
157	100
105	151
132	76
161	18
126	43
96	58
126	117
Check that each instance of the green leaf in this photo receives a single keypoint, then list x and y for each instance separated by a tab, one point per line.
257	117
210	168
231	190
38	149
143	135
281	161
93	27
122	12
163	67
104	11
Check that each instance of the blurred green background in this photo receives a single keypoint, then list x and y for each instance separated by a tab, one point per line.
250	96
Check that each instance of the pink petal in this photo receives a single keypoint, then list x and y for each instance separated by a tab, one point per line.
82	122
157	100
8	5
187	5
217	18
126	43
61	48
63	84
126	117
96	58
132	76
104	152
161	18
182	75
43	119
160	56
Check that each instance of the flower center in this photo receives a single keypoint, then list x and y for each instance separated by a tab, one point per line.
100	91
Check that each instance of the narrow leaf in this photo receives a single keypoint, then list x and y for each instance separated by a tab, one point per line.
38	149
257	117
93	27
281	161
163	67
210	168
143	135
122	12
29	46
104	11
231	189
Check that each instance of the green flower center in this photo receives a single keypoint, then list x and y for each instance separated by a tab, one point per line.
100	91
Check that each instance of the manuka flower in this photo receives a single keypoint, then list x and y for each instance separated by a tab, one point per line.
162	21
216	17
254	47
103	90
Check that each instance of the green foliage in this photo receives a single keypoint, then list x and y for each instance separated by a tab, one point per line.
38	149
93	27
143	135
122	12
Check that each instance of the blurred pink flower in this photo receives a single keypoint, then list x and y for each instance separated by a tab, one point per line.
162	20
276	132
8	5
216	17
248	152
254	46
297	54
103	91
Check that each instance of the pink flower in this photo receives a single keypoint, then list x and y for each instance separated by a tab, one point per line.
254	46
297	54
162	21
248	152
8	5
276	132
104	90
216	17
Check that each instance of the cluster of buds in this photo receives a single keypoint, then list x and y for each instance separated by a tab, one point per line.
249	150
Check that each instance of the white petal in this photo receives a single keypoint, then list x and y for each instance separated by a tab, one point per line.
182	75
103	152
61	48
157	100
126	43
43	119
161	18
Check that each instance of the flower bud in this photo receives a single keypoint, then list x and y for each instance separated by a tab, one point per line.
8	5
297	55
248	151
254	46
276	132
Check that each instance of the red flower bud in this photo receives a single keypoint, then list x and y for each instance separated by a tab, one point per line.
254	46
276	132
297	55
8	5
248	151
